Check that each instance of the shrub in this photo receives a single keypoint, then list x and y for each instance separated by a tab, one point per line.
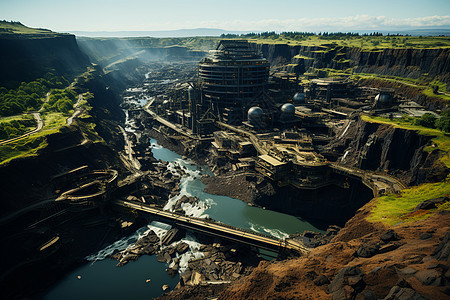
443	123
427	120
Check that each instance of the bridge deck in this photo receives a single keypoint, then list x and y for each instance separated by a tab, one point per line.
221	230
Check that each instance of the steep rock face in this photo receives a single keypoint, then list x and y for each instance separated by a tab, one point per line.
24	58
402	62
397	62
379	147
107	52
276	51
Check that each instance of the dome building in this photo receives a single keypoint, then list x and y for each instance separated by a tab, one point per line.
382	100
299	98
287	112
255	117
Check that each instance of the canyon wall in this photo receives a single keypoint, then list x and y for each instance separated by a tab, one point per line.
26	57
384	148
411	63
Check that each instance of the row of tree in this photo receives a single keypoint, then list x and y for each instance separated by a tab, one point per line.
299	34
430	121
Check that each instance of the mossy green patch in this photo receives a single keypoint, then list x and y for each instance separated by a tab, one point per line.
53	121
398	208
26	147
302	57
14	126
88	131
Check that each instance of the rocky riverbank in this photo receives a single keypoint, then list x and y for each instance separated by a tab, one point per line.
364	261
243	186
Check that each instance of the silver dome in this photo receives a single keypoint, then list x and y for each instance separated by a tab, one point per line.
299	98
287	112
255	112
382	100
288	108
254	115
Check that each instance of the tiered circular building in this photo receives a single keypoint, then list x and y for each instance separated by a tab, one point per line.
232	77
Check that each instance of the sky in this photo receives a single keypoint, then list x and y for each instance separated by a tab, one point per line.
237	15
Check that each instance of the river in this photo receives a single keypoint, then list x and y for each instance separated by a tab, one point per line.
99	278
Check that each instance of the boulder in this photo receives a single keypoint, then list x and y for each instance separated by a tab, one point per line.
426	236
160	257
389	236
389	247
431	203
182	248
408	271
171	236
321	280
196	278
367	295
167	257
367	250
442	251
340	280
429	277
405	293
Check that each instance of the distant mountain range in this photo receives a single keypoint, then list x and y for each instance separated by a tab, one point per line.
162	33
218	32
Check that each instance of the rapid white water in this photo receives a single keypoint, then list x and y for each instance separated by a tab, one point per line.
270	231
193	253
119	245
197	210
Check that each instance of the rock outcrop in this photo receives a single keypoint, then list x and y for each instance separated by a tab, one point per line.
380	147
411	63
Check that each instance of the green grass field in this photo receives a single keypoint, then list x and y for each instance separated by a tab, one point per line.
31	145
18	28
367	43
393	209
26	147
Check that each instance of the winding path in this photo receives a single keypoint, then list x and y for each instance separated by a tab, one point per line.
77	110
40	125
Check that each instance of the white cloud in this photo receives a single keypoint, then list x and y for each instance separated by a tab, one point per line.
358	22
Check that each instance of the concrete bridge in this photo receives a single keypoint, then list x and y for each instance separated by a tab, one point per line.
378	183
223	231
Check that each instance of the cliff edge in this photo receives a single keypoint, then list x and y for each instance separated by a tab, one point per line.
28	53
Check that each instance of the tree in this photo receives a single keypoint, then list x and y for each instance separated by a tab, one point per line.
443	123
64	105
427	120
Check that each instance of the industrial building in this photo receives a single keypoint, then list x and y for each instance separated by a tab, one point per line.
232	79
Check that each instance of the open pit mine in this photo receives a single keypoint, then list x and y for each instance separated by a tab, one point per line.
222	175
